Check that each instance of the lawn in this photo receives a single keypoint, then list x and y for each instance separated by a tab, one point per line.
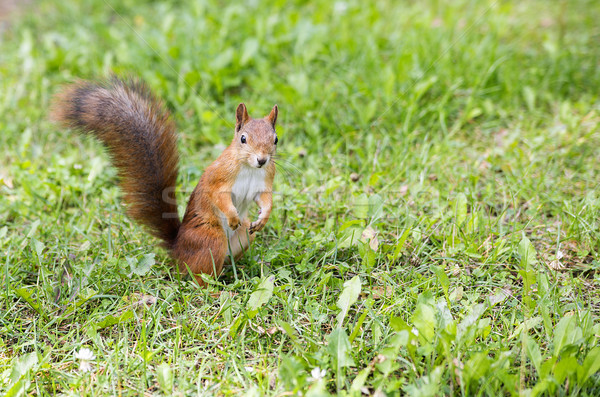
436	219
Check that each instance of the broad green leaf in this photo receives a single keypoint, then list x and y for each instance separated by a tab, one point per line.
145	264
263	293
527	252
424	320
417	235
543	284
528	258
541	387
355	223
164	375
460	208
548	327
400	243
368	256
141	266
444	314
398	324
287	328
586	323
392	348
533	352
361	207
359	381
499	296
477	366
376	206
111	320
240	322
22	365
400	339
427	385
339	348
19	388
442	278
38	247
590	366
33	228
292	373
566	367
19	374
562	332
347	298
349	236
27	296
318	389
526	325
469	320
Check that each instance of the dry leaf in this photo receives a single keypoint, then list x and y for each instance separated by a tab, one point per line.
382	292
456	294
137	299
370	235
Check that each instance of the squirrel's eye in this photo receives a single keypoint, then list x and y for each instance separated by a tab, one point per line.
276	140
243	138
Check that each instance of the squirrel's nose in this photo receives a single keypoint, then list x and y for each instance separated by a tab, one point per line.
261	162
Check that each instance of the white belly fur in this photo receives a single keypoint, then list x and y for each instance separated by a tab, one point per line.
249	183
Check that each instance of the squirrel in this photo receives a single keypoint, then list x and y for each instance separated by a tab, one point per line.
141	140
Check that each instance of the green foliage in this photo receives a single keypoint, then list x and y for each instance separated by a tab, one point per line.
347	298
435	229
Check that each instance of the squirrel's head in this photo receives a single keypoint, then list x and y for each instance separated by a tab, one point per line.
255	139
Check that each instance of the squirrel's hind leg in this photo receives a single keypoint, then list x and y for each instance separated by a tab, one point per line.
202	250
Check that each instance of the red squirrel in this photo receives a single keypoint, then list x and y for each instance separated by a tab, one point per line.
140	137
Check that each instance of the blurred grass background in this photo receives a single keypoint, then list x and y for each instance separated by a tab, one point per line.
463	135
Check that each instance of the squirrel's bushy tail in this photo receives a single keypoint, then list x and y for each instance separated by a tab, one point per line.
140	137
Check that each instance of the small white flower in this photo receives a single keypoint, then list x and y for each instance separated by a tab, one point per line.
559	254
249	369
85	357
415	331
317	374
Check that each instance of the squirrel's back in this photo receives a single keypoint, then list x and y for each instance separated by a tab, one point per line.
140	138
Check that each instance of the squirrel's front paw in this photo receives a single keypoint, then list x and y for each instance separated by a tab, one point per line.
256	226
234	222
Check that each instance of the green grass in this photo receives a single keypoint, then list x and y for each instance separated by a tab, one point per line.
471	126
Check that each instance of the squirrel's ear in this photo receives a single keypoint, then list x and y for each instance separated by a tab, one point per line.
241	117
272	117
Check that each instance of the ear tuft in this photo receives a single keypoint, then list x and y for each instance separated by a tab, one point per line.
241	117
272	117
